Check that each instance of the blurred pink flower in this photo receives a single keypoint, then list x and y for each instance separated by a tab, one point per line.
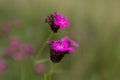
12	47
3	66
14	39
19	56
14	43
18	51
40	68
9	51
26	48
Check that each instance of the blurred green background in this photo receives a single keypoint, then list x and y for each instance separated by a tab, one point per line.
94	25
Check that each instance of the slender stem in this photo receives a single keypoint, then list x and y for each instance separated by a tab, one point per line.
22	77
44	45
52	68
39	54
45	76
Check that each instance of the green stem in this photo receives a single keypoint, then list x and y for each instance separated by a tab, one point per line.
44	45
52	68
45	76
22	77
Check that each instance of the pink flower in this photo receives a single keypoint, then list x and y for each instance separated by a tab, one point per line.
12	47
18	51
60	21
59	48
14	41
3	66
9	51
19	56
65	44
57	21
40	68
26	48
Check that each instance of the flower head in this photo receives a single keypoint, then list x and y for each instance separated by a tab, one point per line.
57	21
59	48
3	66
40	68
19	56
60	21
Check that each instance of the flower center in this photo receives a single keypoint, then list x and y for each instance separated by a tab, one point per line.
60	46
61	22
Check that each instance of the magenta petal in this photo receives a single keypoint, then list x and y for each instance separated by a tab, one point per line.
60	21
58	17
50	42
56	22
73	43
71	49
64	19
66	38
62	26
56	13
67	24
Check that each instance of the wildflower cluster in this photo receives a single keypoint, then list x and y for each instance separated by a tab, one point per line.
18	51
58	48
